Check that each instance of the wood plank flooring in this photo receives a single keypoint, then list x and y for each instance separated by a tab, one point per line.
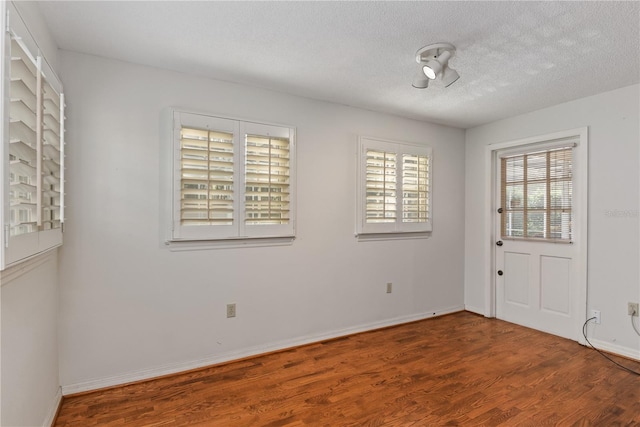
461	369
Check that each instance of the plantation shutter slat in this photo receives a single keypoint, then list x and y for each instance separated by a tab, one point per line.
536	194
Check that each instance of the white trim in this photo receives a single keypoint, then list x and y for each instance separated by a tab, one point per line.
62	156
174	368
406	235
4	116
581	168
199	245
53	409
489	226
475	310
19	29
631	353
581	171
525	148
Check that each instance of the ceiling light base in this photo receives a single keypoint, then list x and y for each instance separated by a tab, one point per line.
432	51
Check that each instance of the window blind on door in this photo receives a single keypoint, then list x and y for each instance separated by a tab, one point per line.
267	174
536	195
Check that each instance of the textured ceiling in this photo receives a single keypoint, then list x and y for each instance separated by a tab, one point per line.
513	57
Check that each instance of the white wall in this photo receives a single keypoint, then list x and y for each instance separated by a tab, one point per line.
29	309
29	380
614	219
130	308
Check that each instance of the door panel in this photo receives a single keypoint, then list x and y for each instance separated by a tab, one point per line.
516	283
555	282
536	286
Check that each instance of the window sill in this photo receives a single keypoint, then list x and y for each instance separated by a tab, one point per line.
202	245
370	237
19	268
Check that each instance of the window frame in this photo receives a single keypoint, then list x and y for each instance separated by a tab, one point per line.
398	227
238	231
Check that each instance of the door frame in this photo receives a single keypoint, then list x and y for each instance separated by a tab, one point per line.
580	173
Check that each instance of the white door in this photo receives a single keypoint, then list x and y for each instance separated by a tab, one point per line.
540	277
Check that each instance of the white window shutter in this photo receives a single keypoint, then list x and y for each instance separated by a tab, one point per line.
206	152
269	177
35	140
394	187
232	179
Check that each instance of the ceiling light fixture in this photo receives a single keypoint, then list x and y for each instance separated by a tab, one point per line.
449	76
434	62
420	81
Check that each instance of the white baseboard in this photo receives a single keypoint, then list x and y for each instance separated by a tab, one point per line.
53	410
174	368
475	310
616	349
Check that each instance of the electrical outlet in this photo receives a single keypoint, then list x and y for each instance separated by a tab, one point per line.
389	287
231	310
632	309
596	314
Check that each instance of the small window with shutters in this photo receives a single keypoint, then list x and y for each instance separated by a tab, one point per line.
34	138
536	194
233	179
394	187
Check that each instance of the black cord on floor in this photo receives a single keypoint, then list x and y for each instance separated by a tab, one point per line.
584	332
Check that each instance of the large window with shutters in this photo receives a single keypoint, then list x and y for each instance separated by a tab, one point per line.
394	187
33	135
233	179
536	194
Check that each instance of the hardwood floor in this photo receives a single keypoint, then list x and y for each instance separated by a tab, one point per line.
460	369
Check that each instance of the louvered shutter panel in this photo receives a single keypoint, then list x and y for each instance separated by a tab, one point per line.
23	141
207	178
269	183
381	182
267	180
52	145
415	188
